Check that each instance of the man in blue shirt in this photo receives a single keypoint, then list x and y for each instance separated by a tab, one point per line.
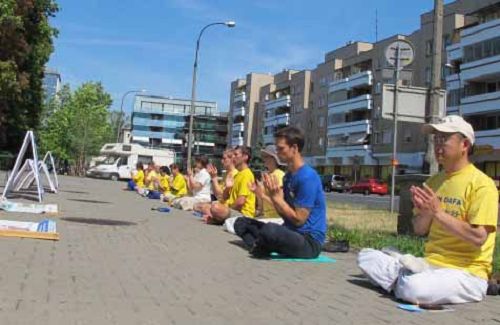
301	204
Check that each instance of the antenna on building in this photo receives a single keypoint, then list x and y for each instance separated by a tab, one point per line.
376	25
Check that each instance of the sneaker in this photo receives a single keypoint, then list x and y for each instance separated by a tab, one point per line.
336	246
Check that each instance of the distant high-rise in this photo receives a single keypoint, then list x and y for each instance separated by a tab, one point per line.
51	84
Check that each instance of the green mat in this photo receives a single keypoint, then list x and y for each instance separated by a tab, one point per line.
320	259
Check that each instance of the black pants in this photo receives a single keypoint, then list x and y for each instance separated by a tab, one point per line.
271	237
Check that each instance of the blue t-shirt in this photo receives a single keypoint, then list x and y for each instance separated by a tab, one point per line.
303	189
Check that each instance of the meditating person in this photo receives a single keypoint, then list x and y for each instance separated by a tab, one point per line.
198	185
137	181
300	202
457	209
162	186
177	184
221	192
241	200
272	162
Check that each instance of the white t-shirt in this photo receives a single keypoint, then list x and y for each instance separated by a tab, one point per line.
202	177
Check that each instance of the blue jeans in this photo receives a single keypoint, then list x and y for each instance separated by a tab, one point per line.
154	195
271	237
131	185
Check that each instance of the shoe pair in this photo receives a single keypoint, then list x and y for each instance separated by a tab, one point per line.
336	246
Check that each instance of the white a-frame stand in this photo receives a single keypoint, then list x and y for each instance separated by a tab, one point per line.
30	166
29	177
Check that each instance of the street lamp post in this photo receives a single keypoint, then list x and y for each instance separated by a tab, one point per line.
193	86
119	126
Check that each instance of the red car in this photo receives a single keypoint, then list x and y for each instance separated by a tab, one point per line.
369	186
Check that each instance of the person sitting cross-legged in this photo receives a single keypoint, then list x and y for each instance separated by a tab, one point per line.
457	210
137	181
220	192
198	185
241	200
301	204
177	184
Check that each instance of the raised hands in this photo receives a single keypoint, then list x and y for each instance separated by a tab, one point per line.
272	185
425	200
212	170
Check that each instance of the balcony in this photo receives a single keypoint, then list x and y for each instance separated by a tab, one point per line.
360	79
452	81
360	102
158	123
350	127
488	137
479	33
238	111
282	119
482	103
237	141
483	69
238	127
284	101
155	135
454	52
240	97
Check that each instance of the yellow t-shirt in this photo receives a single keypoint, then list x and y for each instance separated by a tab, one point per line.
268	208
240	188
470	196
139	178
150	178
179	186
165	186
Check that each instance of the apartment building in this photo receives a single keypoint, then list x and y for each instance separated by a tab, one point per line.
163	122
244	107
282	102
474	85
342	104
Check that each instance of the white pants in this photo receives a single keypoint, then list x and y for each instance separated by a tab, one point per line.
188	202
431	286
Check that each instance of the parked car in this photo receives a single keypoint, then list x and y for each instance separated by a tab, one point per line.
370	186
326	181
339	183
336	183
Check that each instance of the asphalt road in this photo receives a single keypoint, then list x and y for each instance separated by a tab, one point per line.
373	200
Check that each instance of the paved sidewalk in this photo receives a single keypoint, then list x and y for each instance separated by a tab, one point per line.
169	268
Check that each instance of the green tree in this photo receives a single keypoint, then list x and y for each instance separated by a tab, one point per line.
26	44
256	163
78	128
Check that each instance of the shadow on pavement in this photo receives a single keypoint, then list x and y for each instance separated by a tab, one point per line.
101	222
90	201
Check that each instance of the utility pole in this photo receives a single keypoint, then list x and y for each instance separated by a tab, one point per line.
435	87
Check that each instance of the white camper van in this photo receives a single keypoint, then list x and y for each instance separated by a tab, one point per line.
121	159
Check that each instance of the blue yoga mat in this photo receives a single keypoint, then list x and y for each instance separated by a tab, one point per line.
320	259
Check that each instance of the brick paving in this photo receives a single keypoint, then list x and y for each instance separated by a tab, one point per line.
169	268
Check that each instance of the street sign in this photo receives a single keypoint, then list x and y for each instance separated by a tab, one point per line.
406	53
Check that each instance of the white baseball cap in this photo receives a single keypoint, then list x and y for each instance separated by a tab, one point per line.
451	124
270	150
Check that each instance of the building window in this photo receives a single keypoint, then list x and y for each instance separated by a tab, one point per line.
407	136
428	47
428	75
320	142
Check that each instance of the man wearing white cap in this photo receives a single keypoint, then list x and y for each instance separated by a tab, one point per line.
457	209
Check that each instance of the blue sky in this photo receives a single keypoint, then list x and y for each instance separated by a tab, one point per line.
149	44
